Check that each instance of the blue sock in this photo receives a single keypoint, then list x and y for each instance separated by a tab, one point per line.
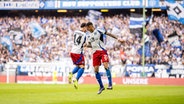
75	70
79	73
98	77
108	72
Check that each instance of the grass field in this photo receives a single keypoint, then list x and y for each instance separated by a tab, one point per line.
87	94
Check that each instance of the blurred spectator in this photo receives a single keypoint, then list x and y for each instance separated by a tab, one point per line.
56	44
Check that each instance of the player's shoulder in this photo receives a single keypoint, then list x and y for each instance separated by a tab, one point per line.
101	30
79	32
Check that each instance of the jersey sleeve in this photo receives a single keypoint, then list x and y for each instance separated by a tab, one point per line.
103	31
87	37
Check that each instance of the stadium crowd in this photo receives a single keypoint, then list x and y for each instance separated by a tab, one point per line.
57	42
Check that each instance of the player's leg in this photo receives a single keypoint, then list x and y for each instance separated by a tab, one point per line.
105	61
81	64
76	68
74	58
79	60
79	74
109	76
80	71
98	78
96	64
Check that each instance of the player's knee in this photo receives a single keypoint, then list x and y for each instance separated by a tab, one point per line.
81	66
106	65
96	69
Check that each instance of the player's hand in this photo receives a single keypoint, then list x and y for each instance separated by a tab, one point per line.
121	40
87	45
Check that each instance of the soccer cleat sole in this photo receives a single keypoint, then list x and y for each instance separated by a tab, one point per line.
109	88
100	90
75	84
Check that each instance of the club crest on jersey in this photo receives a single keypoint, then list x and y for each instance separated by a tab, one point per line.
95	33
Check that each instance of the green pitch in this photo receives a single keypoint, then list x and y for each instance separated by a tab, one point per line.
87	94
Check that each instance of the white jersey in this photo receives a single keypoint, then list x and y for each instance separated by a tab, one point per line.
79	40
96	40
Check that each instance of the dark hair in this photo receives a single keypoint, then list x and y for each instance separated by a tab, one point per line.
83	25
89	23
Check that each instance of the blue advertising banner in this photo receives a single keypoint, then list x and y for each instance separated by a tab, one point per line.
138	71
153	4
39	70
49	4
19	5
97	4
82	4
157	71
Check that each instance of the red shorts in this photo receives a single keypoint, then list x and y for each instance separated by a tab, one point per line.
99	56
78	59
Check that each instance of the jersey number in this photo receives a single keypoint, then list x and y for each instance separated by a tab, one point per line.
77	39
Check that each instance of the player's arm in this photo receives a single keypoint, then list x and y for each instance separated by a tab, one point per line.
88	45
87	42
113	36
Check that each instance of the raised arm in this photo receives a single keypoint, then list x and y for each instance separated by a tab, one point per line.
113	36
